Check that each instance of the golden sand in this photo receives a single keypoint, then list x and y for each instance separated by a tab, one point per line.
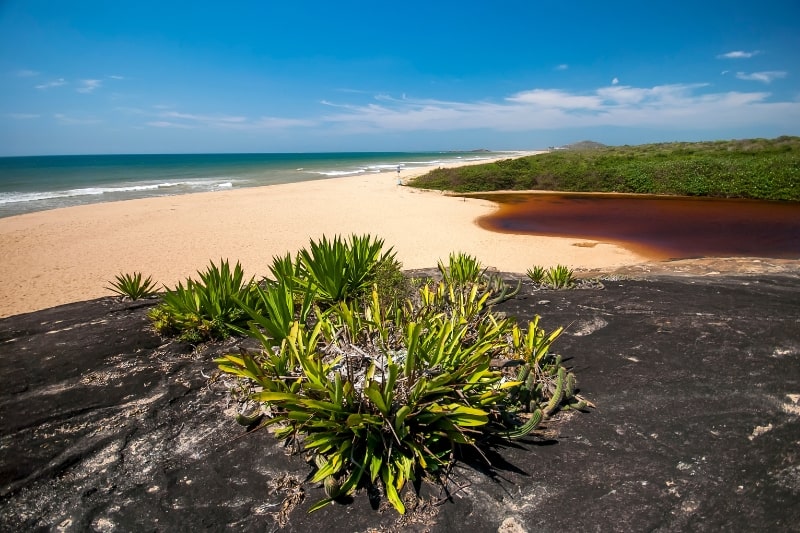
67	255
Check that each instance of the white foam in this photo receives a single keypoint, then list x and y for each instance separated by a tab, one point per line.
21	197
340	172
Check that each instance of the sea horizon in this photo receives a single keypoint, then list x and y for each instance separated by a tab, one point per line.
31	183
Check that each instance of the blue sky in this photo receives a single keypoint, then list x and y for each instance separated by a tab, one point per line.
186	77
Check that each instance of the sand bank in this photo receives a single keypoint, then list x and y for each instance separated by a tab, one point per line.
67	255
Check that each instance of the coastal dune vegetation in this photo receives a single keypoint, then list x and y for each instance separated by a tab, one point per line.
380	377
765	169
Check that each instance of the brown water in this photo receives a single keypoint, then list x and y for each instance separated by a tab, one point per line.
657	226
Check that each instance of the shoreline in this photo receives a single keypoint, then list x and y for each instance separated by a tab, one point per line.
69	255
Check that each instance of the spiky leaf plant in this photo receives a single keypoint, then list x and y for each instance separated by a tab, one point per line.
339	269
462	269
560	277
133	286
536	274
208	308
385	395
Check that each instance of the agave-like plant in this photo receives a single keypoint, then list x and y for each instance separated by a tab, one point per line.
560	277
133	286
557	277
212	307
383	396
462	269
338	269
536	274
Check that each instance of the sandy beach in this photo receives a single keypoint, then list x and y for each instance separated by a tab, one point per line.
66	255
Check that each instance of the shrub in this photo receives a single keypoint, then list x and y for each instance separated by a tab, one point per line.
385	395
133	286
560	277
462	269
754	168
338	270
557	277
211	308
536	274
377	387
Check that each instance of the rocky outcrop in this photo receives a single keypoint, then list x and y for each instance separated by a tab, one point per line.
107	427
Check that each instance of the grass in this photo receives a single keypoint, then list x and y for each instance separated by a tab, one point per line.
766	169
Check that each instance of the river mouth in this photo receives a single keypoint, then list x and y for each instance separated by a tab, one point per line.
659	227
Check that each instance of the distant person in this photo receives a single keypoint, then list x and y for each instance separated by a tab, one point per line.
398	175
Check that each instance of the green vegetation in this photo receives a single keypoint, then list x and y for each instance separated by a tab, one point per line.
212	307
462	269
133	286
380	383
756	168
557	277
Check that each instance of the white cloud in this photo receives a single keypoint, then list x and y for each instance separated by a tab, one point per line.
765	77
175	119
683	106
738	54
89	86
193	120
167	124
55	83
562	66
679	106
74	121
280	123
554	98
615	81
115	77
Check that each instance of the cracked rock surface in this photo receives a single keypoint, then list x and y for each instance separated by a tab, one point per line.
104	426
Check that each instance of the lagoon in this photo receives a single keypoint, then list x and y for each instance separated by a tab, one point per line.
661	227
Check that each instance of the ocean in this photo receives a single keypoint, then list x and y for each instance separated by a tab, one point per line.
38	183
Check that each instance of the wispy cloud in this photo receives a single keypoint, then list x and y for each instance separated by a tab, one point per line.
55	83
206	120
176	119
116	77
167	124
663	106
555	99
89	86
683	106
75	121
615	81
764	77
738	54
562	66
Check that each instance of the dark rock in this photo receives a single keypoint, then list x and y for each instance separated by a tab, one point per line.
696	380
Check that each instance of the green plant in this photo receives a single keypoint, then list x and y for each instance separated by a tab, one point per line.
560	277
749	168
338	270
536	274
557	277
133	286
386	394
378	388
211	308
392	285
462	269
